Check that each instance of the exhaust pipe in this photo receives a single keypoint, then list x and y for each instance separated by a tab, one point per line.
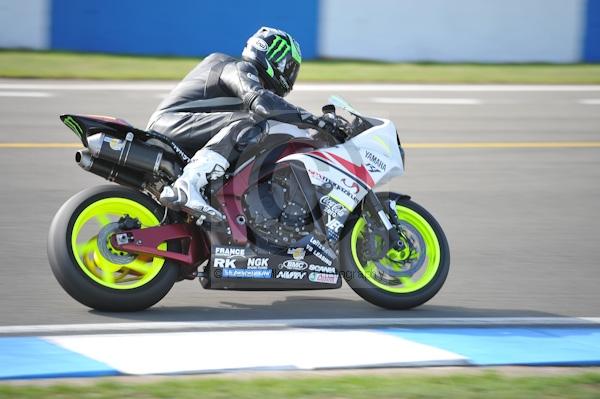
131	154
108	170
84	159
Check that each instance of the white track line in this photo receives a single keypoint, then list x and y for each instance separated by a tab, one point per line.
327	87
25	94
297	323
332	87
80	86
590	101
426	101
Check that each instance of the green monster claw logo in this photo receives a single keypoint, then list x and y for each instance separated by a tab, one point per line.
73	125
281	47
270	71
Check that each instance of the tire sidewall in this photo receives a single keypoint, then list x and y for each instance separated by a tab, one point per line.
76	282
378	296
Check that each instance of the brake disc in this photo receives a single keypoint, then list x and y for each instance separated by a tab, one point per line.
106	249
399	268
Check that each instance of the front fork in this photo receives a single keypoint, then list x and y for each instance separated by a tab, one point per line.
379	215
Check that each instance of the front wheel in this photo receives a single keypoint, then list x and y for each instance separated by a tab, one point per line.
89	268
396	279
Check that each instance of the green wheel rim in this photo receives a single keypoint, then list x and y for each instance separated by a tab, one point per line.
85	249
430	254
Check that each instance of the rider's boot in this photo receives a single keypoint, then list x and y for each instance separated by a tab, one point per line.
186	193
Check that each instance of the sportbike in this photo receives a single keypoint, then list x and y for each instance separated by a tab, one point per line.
299	212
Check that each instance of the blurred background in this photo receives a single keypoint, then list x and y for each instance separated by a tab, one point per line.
496	102
556	31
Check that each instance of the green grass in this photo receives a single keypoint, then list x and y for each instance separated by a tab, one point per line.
33	64
479	386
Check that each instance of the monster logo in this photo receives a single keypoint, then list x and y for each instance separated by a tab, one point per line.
281	47
73	125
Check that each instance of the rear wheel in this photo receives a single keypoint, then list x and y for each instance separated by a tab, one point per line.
90	269
396	279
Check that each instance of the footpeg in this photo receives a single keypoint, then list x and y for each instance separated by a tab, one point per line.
210	214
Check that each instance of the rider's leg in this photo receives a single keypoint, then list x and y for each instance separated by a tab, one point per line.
185	194
209	163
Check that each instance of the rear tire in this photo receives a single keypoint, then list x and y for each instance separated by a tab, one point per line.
366	281
84	282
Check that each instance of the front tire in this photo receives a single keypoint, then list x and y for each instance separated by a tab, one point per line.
86	265
398	280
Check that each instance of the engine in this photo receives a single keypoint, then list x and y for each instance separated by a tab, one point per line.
276	210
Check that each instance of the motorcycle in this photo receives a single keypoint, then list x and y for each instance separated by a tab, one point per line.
299	212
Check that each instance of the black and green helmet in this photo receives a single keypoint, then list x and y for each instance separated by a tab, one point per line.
277	57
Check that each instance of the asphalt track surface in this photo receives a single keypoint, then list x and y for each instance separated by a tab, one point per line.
523	220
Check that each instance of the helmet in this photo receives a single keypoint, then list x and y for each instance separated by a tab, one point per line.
277	57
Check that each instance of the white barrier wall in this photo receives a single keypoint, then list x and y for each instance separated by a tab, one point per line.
24	24
452	30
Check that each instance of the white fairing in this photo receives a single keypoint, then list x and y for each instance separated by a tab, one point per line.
371	158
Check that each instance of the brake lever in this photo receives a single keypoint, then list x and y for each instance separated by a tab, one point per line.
329	111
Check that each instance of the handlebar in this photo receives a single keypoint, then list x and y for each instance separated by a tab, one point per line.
340	125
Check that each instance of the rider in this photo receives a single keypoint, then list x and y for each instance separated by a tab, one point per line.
221	106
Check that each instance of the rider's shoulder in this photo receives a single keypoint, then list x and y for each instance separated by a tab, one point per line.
247	66
219	57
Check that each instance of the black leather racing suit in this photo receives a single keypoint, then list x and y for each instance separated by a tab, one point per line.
219	92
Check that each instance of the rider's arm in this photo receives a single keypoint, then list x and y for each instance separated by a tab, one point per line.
241	78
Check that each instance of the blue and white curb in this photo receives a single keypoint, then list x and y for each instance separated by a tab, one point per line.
527	346
32	357
242	349
296	349
211	352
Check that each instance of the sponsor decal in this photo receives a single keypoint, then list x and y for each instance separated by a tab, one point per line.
247	273
372	168
317	252
293	265
279	47
375	161
288	275
322	247
323	278
335	225
179	152
257	263
258	43
332	207
230	251
336	186
253	77
224	263
322	269
114	144
334	211
346	192
318	176
297	253
319	255
352	185
73	125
